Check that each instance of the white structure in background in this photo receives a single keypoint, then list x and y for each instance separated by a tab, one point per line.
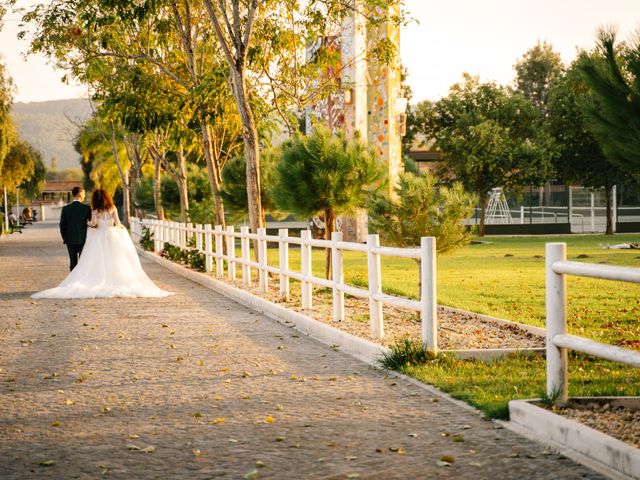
498	208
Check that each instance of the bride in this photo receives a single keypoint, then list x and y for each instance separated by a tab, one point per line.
109	265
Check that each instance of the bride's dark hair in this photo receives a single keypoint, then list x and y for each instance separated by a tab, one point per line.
101	200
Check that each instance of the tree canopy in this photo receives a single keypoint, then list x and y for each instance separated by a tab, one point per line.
489	137
612	73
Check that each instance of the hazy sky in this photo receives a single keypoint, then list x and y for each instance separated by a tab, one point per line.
453	36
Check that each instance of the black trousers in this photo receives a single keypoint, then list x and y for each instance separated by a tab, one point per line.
74	254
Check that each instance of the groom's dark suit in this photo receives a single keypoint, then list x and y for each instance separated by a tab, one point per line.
73	228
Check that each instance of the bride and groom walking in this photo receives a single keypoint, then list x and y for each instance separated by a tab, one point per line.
102	258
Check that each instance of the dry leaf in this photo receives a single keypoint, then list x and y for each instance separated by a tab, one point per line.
216	420
132	446
133	436
196	452
269	419
149	449
55	424
47	463
252	475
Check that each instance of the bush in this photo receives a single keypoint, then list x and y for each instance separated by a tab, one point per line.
420	208
146	242
191	257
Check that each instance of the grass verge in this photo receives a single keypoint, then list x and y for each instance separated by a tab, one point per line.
490	386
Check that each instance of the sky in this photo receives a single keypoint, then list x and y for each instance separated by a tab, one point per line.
449	37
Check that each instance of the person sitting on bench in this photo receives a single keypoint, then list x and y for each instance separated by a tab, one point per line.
14	223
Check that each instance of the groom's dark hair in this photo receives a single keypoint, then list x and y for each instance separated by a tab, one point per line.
75	191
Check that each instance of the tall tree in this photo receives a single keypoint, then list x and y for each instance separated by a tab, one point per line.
325	174
7	130
18	166
579	157
536	72
264	39
489	137
33	186
234	191
613	75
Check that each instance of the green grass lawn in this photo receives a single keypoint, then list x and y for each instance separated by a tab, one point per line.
490	386
505	277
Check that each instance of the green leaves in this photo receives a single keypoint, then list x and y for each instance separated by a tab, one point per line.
418	208
324	171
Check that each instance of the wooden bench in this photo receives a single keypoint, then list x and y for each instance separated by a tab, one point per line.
15	225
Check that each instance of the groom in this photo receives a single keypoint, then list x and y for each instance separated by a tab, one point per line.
73	225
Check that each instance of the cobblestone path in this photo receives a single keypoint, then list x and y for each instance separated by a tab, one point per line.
195	386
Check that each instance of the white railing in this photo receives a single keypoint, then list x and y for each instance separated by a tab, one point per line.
214	242
558	341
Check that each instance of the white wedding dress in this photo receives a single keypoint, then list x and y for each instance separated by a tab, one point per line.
108	266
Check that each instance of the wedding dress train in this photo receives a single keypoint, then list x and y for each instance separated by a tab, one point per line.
108	267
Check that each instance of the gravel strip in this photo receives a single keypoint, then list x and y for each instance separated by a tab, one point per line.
456	331
621	423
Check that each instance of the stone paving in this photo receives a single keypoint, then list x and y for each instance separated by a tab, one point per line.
196	386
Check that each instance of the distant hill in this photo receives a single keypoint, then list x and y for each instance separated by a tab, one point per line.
51	128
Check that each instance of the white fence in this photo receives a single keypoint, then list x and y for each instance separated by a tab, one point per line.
558	341
212	242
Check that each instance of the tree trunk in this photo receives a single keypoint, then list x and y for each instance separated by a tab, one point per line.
157	188
124	177
607	194
483	210
329	228
182	186
215	174
251	148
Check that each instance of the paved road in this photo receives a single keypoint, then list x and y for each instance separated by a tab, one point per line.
195	386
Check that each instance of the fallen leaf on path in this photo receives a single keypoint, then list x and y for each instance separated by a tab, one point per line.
47	463
149	449
252	475
196	452
216	420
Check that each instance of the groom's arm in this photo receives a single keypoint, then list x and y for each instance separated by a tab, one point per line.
63	225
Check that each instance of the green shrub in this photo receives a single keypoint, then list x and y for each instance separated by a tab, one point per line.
146	242
404	353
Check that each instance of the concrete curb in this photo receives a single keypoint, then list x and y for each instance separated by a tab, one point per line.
583	444
358	347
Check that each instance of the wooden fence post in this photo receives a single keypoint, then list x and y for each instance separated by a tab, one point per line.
263	275
375	287
208	250
338	278
306	270
556	300
219	251
245	247
231	253
429	311
283	254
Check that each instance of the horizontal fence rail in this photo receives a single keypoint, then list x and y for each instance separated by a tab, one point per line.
219	245
558	341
